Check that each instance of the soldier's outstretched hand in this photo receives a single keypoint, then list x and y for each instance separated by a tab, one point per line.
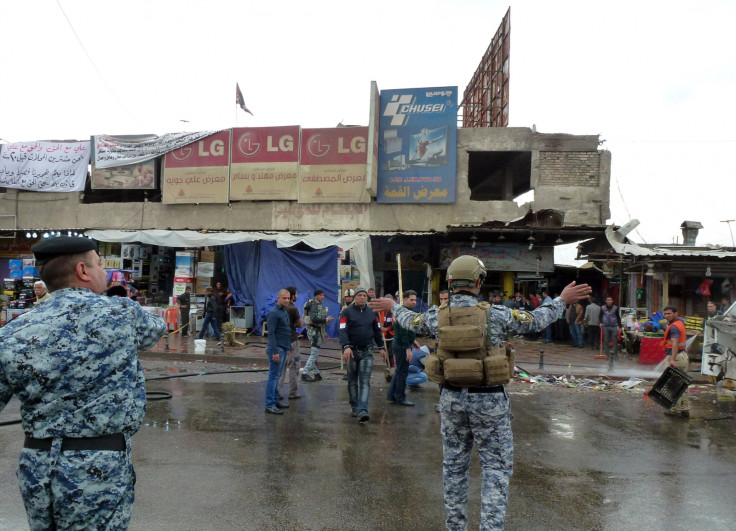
383	304
573	292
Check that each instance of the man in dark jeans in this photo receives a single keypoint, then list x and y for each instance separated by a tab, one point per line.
358	331
210	318
402	345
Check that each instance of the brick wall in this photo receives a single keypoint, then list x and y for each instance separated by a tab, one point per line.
569	168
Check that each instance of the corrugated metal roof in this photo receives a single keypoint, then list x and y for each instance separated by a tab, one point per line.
622	245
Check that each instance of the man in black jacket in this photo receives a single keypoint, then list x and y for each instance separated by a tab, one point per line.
210	317
358	331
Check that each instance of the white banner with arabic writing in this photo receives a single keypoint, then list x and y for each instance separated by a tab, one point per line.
44	166
113	151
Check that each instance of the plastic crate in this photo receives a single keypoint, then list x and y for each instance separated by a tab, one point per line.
669	387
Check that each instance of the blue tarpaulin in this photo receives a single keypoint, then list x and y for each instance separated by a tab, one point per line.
258	270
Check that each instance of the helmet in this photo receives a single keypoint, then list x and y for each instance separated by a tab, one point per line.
349	293
464	271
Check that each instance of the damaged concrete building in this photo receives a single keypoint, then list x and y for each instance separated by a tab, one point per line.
562	180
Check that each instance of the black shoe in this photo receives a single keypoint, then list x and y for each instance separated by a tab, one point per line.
281	405
294	396
317	377
274	411
353	413
363	416
405	402
307	378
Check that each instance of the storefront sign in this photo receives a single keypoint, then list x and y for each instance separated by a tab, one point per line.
44	166
418	146
265	163
333	165
503	257
199	172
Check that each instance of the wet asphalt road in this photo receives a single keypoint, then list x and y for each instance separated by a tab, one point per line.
210	458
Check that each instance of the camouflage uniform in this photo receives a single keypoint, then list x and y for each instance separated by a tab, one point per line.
73	364
483	418
315	333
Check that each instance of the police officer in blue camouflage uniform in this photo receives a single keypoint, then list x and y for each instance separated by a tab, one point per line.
73	363
478	414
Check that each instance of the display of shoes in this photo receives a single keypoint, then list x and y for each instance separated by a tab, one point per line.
274	411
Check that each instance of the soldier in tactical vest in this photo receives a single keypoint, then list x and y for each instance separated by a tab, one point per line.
472	365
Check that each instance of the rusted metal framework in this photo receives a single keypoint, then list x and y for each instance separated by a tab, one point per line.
486	98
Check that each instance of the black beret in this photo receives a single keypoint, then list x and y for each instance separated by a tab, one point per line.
50	248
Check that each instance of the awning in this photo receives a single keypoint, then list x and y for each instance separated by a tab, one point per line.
359	242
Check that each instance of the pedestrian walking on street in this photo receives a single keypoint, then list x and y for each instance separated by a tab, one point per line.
359	331
210	315
611	325
316	318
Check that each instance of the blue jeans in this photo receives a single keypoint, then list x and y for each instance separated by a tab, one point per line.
360	367
397	389
577	334
416	378
274	373
209	319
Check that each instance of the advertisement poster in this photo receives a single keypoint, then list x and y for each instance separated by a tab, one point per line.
198	172
334	165
141	176
184	264
264	163
417	154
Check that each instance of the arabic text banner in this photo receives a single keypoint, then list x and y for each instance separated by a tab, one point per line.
265	163
198	172
334	165
122	150
44	166
417	154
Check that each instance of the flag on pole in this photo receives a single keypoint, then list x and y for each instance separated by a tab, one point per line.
239	99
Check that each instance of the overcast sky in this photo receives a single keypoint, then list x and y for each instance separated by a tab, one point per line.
655	79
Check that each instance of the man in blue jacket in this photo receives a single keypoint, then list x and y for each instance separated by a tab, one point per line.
277	350
358	332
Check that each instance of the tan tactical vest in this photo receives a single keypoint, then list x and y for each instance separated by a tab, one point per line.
465	357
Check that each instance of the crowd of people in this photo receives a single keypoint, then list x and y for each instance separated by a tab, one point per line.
78	410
